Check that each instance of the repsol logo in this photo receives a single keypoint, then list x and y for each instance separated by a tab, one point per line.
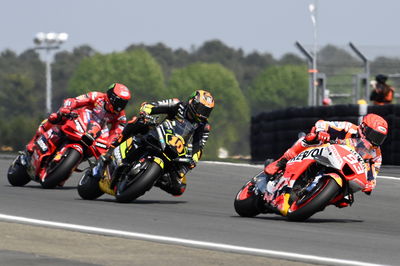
308	154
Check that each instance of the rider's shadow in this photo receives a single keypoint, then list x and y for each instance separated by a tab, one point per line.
145	201
309	220
38	186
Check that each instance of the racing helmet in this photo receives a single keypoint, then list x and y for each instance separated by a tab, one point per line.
200	105
118	96
374	129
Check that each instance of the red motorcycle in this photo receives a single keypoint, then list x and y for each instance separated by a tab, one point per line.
317	177
59	151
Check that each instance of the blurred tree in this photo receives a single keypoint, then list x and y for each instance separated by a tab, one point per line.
332	58
279	87
291	59
385	65
63	67
166	57
16	131
253	64
22	83
230	117
18	97
136	69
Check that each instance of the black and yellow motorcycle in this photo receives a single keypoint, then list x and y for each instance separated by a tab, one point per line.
139	162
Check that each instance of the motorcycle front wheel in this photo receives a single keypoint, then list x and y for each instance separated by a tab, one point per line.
246	202
17	175
314	201
88	187
62	170
141	183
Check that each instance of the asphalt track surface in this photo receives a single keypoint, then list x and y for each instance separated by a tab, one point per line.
199	228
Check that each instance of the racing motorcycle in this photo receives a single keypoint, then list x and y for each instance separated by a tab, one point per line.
160	150
59	151
315	178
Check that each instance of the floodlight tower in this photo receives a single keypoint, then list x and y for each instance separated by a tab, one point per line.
49	42
313	13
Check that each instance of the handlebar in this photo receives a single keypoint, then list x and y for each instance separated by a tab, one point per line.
148	119
71	115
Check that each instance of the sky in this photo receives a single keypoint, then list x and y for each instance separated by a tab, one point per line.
266	26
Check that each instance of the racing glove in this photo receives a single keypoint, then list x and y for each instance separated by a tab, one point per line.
324	136
64	111
54	118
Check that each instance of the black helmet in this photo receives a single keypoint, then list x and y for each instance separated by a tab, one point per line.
380	78
200	105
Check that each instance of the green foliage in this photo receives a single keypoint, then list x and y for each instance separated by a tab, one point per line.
17	95
230	117
291	59
166	57
279	87
63	67
21	81
136	69
16	131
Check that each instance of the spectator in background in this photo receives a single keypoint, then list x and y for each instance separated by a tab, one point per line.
382	93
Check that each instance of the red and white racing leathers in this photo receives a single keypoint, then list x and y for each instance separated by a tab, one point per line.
95	101
341	130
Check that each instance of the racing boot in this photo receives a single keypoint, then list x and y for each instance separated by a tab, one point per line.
172	183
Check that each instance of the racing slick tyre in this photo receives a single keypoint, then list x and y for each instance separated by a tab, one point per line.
60	171
246	202
17	175
129	189
315	201
88	187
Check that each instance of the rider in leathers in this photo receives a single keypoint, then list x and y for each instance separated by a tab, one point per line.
196	110
108	108
366	138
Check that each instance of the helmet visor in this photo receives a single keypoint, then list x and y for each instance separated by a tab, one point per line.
201	110
373	136
118	103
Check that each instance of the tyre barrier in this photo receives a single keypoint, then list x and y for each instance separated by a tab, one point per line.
272	133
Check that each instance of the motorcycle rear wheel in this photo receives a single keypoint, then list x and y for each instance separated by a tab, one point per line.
316	201
62	170
17	175
140	185
246	203
88	187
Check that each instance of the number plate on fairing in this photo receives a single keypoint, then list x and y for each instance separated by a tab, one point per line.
42	144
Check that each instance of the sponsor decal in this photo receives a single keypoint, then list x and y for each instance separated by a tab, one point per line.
124	93
308	154
42	145
101	145
78	126
381	128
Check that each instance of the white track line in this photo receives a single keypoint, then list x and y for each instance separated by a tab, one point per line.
259	166
185	242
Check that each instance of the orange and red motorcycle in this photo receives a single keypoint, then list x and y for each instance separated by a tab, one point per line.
59	151
317	177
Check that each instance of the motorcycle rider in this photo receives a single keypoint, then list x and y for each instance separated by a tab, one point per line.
196	110
373	130
108	108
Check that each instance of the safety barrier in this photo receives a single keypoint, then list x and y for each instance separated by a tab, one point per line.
272	133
